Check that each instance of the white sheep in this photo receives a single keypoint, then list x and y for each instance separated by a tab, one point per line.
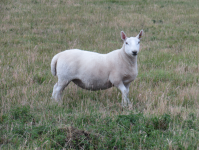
94	71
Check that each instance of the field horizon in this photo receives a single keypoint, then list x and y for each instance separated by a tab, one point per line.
165	98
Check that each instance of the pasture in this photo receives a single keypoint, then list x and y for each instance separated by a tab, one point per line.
165	94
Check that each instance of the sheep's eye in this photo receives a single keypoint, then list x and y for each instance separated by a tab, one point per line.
139	42
127	43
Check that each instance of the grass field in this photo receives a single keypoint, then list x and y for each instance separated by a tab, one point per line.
165	95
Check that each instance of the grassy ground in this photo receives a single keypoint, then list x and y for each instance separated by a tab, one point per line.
165	95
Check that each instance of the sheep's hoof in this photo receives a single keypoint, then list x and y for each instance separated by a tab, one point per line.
124	104
129	104
55	100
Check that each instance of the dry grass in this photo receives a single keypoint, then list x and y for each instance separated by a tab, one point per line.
33	31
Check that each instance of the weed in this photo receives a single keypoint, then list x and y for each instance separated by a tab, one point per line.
39	79
22	114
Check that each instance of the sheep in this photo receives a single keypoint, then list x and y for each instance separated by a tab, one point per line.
95	71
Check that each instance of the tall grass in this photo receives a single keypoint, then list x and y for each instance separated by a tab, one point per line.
165	96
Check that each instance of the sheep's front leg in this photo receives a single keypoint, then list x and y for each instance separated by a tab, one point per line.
127	87
125	91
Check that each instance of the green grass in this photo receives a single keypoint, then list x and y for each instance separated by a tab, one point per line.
165	97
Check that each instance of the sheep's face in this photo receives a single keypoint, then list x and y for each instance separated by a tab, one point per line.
132	44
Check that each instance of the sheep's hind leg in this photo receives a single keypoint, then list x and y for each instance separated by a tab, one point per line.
54	93
58	89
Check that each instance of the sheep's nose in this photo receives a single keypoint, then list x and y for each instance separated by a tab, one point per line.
135	53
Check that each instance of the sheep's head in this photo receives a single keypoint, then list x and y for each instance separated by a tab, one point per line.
132	44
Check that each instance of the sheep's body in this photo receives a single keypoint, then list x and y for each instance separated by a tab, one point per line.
94	71
100	71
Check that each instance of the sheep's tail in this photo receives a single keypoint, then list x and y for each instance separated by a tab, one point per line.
53	65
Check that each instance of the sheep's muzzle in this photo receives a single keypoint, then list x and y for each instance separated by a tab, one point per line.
134	53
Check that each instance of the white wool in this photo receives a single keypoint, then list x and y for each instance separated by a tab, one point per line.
94	71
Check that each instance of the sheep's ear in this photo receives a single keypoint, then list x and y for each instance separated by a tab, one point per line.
123	36
139	36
